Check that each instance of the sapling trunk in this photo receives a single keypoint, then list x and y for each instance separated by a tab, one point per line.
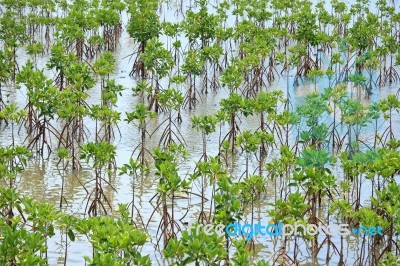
143	144
232	133
165	219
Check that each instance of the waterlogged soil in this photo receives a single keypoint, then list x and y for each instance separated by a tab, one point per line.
43	181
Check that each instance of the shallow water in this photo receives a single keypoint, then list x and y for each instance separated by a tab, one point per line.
43	181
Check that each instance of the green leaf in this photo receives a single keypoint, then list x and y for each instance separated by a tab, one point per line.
71	235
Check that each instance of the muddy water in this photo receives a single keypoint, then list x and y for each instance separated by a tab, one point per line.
42	179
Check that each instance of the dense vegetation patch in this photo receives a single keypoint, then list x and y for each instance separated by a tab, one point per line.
309	112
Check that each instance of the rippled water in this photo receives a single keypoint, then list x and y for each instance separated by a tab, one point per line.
43	181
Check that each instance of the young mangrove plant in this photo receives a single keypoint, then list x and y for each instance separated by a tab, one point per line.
171	100
234	106
11	114
316	179
42	106
388	106
134	169
158	61
192	68
143	26
169	185
143	116
196	247
101	155
115	240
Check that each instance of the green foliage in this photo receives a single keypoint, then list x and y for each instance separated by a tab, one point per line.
279	165
59	59
70	104
313	108
141	114
317	134
390	260
144	24
353	112
196	247
201	25
171	98
314	159
23	237
105	115
391	103
290	210
11	113
242	44
205	123
231	77
133	168
307	27
115	240
314	173
363	32
243	255
250	142
193	64
156	58
78	75
101	153
268	101
167	168
235	105
228	208
105	64
110	92
12	29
